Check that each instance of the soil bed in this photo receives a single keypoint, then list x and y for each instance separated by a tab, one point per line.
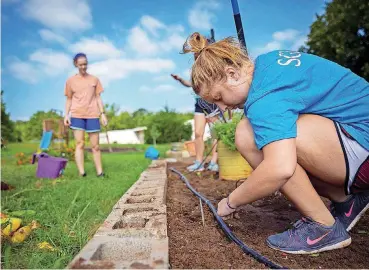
193	246
115	150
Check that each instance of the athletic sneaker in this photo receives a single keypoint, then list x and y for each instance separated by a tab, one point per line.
196	167
308	236
213	167
350	211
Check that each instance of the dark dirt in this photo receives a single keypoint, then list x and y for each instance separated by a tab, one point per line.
115	150
193	246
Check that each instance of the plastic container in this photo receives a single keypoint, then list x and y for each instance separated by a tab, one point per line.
49	166
232	166
190	147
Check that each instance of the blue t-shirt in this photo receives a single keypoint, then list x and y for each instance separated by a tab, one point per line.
287	84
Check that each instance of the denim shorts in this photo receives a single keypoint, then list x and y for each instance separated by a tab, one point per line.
89	125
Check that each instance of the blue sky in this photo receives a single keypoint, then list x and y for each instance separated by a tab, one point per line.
132	45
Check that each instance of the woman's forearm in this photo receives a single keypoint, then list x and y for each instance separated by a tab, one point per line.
185	83
100	104
263	181
68	104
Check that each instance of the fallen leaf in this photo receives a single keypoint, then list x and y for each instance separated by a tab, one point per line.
35	225
72	234
45	245
38	184
362	232
315	255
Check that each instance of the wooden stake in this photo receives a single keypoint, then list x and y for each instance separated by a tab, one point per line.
202	214
107	138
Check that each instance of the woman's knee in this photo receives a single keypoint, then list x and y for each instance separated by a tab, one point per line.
244	137
80	144
95	148
245	144
199	134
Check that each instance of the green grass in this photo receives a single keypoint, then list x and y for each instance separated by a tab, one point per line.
69	210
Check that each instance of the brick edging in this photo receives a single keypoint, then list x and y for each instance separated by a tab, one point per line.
134	235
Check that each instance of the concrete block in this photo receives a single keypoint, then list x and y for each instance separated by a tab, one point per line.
134	235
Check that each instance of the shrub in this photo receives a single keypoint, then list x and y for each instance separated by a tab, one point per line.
171	126
226	131
23	159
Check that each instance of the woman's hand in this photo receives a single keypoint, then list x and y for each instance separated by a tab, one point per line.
176	77
66	121
104	120
212	119
224	209
182	81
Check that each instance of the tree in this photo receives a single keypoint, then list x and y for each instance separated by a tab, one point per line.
155	133
341	35
140	112
7	125
172	127
34	128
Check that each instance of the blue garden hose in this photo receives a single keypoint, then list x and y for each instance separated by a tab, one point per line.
249	251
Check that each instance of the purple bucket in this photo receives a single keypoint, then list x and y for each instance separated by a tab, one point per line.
48	166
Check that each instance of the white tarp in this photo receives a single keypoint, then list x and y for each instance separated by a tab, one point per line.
126	136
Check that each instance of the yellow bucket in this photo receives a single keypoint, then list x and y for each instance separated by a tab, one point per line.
232	166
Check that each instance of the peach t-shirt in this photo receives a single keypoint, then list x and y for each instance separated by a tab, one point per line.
84	91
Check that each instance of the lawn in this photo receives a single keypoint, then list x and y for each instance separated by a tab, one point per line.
69	210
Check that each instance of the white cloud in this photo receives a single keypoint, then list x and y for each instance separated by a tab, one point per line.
43	62
72	15
162	78
289	39
51	62
151	24
175	28
298	43
50	36
23	70
202	16
271	46
288	34
115	69
173	42
140	42
101	48
157	89
144	38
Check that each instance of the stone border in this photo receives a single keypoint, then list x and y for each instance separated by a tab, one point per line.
134	235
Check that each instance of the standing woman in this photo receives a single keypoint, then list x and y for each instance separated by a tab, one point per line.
86	107
201	108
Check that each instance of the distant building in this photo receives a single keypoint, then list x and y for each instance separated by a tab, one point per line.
125	136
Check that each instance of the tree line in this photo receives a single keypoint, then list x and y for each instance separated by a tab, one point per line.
164	126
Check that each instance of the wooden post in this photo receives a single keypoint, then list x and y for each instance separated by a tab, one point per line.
107	138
